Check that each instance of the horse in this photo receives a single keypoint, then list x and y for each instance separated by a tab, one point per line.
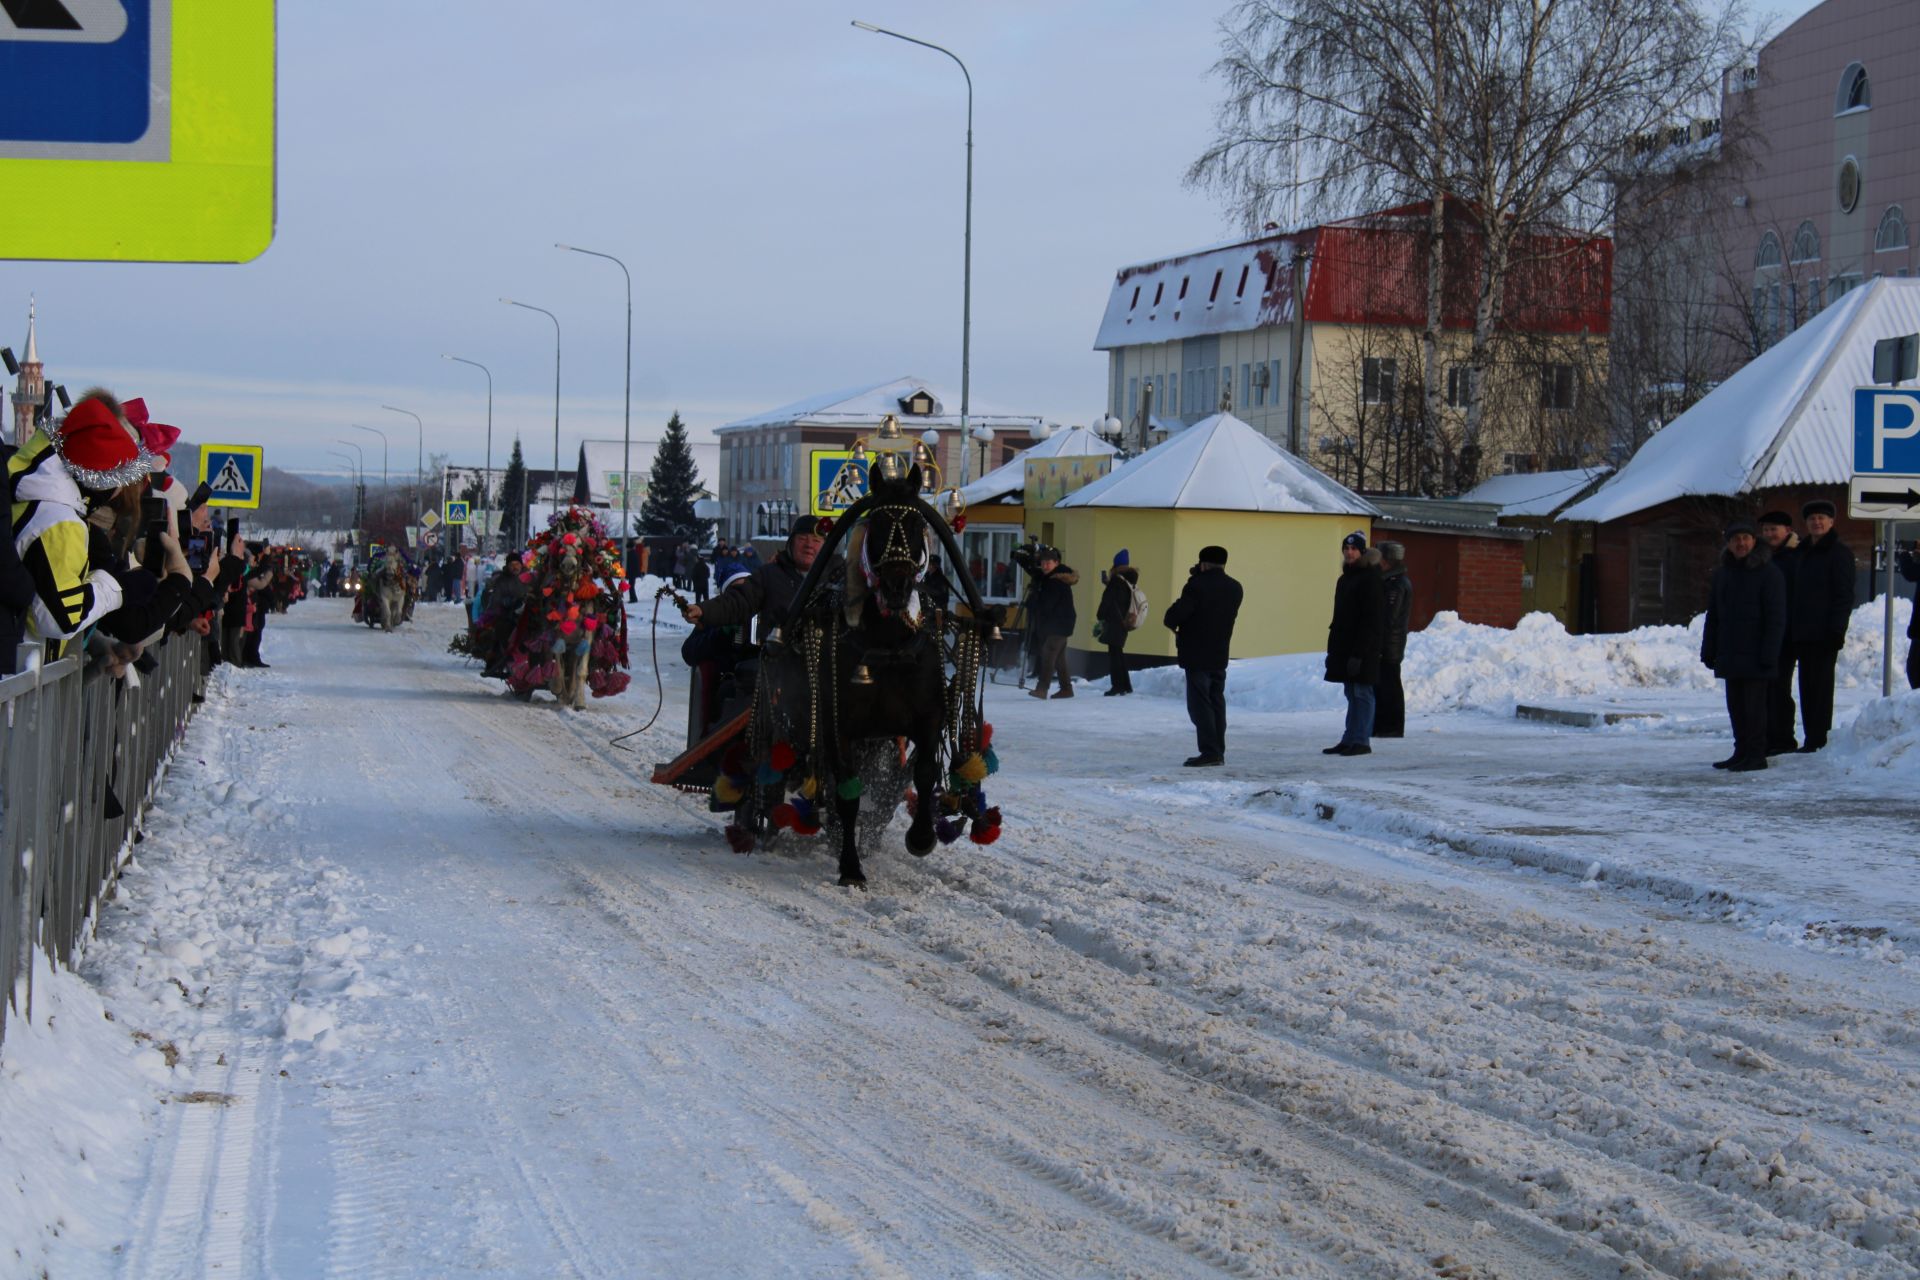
571	636
872	665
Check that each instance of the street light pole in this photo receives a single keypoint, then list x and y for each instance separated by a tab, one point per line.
486	476
419	459
385	490
354	475
626	421
528	306
360	483
966	287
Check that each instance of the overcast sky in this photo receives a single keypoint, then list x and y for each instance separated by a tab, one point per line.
787	191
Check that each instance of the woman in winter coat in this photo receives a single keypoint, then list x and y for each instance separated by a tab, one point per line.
1746	616
1357	640
1390	698
1116	605
1817	617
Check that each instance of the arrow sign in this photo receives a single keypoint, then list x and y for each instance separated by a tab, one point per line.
1875	497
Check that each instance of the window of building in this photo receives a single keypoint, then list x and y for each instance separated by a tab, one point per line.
1158	289
1183	288
1557	383
1136	298
990	563
1238	293
1768	254
1517	464
1806	243
1847	185
1377	377
1459	385
1855	93
1214	293
1276	385
1173	391
1892	232
1226	383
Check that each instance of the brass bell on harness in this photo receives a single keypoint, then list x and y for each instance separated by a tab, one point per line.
861	675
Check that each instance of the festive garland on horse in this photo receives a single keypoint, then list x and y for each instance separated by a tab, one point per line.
578	615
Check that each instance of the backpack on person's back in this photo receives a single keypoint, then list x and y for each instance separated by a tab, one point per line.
1136	608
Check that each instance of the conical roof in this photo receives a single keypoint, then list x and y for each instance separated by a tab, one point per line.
33	342
1011	475
1786	418
1221	464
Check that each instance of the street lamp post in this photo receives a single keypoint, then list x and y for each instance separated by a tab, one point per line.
626	420
385	491
486	476
966	288
528	306
352	475
419	460
360	483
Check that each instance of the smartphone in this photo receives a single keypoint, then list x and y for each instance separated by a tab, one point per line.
186	527
198	498
233	528
153	521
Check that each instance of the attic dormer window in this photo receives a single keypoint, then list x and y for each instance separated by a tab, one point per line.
917	405
1241	291
1183	288
1213	294
1136	298
1159	289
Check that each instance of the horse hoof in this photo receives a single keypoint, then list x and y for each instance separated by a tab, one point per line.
920	846
853	882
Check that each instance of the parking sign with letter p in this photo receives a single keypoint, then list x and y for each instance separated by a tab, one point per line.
1886	431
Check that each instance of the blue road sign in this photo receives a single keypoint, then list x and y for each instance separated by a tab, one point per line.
232	471
1886	431
80	73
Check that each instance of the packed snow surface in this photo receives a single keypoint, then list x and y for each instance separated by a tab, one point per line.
410	979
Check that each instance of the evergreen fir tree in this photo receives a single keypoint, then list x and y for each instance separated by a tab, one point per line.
672	487
513	499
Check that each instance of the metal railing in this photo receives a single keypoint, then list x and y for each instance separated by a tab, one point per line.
69	737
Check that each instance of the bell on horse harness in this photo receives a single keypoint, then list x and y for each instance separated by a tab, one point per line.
861	675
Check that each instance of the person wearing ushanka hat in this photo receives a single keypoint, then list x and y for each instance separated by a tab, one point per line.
1818	611
61	477
1746	616
1783	544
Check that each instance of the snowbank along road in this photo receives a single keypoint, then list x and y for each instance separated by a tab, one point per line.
411	979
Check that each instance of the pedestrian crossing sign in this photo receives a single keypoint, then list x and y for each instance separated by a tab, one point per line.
839	480
233	472
456	512
145	128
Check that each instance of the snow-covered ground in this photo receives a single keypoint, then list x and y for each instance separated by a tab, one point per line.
410	979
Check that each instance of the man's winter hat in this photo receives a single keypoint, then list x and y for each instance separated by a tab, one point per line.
1120	558
1740	526
1780	518
1213	555
1393	551
1045	552
803	526
97	449
1819	507
1357	540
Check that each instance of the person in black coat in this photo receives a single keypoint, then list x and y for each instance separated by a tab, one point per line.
1783	545
1746	618
1357	640
1116	602
16	586
1909	565
1202	622
1818	612
1390	698
1051	615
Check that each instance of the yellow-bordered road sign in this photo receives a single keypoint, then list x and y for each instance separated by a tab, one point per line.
144	130
233	472
456	512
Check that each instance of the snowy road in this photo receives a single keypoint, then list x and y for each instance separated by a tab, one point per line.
455	992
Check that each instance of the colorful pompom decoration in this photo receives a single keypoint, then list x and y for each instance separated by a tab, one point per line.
766	775
727	789
739	839
785	817
810	788
782	756
958	524
985	835
823	526
992	758
804	815
972	769
950	802
946	830
851	788
986	736
991	818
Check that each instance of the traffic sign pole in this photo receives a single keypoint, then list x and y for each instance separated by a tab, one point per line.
1886	649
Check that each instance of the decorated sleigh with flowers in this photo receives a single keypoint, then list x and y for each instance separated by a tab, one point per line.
867	696
571	636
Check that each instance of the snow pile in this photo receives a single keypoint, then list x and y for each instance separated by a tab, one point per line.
1859	664
1465	666
78	1096
1883	740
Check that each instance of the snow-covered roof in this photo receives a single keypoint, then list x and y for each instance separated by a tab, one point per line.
1011	476
1784	419
600	459
1220	464
865	406
1176	297
1537	493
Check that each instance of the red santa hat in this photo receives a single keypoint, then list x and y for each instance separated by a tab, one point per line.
158	437
97	449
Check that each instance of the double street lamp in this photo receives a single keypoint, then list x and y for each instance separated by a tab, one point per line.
626	428
385	493
966	290
528	306
419	456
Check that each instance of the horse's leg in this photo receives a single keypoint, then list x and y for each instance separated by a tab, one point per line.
849	811
926	774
